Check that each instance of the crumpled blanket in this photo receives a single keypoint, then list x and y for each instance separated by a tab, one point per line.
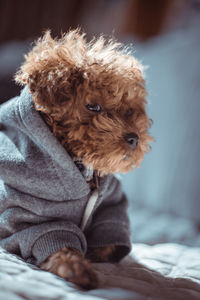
163	271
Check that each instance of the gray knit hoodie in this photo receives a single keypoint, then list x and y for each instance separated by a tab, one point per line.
43	195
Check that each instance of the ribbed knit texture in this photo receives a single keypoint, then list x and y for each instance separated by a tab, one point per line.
54	241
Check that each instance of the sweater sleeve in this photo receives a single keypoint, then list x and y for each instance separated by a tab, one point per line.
110	224
27	230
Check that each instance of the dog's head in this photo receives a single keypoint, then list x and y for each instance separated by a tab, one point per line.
92	95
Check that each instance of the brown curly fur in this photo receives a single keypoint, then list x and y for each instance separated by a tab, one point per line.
63	76
71	265
103	254
66	74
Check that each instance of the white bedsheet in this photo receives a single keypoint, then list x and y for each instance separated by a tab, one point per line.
163	271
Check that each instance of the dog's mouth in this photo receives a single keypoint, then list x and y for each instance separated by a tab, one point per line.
106	157
120	160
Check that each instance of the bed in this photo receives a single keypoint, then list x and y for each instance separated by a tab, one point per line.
162	271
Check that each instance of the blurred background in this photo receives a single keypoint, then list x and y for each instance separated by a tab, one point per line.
164	193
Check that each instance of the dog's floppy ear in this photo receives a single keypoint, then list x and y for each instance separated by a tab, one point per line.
52	65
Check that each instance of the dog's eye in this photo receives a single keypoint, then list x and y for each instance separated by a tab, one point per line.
129	112
94	107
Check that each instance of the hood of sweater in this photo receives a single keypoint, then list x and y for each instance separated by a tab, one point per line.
31	159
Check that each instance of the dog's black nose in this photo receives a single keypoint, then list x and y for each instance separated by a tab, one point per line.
132	139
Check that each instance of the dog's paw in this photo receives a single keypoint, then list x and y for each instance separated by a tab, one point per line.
72	266
101	254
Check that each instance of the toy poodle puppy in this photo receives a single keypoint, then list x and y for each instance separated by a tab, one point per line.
80	119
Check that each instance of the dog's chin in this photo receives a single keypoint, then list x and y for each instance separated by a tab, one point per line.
108	160
105	166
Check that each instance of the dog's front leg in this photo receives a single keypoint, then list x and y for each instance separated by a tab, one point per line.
72	266
101	254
